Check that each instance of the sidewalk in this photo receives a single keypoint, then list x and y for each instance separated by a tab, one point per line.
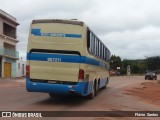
11	80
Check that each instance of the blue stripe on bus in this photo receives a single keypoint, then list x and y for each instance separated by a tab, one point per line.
37	32
59	88
65	58
81	88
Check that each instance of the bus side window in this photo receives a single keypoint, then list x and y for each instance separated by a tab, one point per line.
101	50
104	54
97	47
107	55
88	39
93	45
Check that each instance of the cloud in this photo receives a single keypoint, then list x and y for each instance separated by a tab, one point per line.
130	28
122	15
134	44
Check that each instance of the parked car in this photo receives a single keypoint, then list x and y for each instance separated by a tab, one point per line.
150	76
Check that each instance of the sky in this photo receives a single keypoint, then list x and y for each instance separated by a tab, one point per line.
129	28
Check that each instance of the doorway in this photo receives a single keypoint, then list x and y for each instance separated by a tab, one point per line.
7	70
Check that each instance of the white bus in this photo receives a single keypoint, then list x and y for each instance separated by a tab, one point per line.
65	57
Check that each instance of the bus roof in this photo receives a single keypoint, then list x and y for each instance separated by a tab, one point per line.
72	21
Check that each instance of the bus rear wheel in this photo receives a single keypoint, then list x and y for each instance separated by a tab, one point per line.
96	88
94	91
104	87
53	95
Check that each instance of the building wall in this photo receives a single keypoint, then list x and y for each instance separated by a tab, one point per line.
20	68
8	26
1	43
1	26
13	66
6	40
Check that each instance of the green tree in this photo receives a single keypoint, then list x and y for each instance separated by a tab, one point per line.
137	66
125	63
135	69
152	63
115	62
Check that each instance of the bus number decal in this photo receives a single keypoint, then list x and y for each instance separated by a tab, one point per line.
54	59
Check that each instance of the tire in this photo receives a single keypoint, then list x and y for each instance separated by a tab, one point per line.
104	87
51	95
92	95
96	88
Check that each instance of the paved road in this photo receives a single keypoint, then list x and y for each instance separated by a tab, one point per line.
14	97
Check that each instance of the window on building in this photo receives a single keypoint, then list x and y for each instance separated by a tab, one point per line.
19	66
9	30
23	69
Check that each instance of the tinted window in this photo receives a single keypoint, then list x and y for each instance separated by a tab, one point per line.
96	47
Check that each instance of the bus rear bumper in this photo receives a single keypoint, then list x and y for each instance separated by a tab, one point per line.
81	88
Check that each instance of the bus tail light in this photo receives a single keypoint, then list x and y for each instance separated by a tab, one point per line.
27	70
81	75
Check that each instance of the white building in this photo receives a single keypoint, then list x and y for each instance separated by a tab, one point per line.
21	68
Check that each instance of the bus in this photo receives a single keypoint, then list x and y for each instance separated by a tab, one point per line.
65	57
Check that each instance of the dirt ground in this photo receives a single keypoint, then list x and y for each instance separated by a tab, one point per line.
148	91
123	93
